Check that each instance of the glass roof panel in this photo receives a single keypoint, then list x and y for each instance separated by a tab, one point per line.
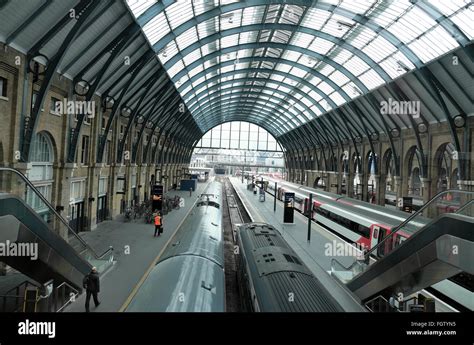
392	24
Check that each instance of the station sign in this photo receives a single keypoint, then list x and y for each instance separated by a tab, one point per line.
407	204
289	210
157	197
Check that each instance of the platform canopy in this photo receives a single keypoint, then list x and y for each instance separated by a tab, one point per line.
282	64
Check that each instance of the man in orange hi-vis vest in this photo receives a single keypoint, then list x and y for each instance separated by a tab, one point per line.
158	224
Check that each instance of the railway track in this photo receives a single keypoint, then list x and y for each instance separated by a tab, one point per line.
233	214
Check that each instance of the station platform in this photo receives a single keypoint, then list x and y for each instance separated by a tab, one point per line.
136	252
313	253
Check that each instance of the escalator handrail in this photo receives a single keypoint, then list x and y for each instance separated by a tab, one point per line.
51	208
464	206
414	215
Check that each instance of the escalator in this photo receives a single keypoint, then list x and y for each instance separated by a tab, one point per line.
36	241
442	249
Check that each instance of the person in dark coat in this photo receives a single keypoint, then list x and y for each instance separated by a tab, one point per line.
92	285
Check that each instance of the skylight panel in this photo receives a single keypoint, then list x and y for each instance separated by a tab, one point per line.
463	20
359	7
187	38
338	25
139	7
412	24
290	14
156	28
277	77
316	110
175	69
192	57
371	79
210	63
356	65
227	69
291	55
203	6
230	41
248	37
342	56
170	50
231	19
321	46
391	67
209	48
283	67
281	36
351	90
337	98
392	11
207	28
298	72
284	89
315	18
196	70
301	39
339	78
438	41
379	49
179	13
252	15
314	95
323	86
363	37
197	82
327	69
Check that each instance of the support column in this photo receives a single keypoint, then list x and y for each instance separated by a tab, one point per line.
332	182
339	183
398	186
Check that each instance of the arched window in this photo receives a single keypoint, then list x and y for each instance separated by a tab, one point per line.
41	149
41	172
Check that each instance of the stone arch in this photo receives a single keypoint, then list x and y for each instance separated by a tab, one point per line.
387	178
411	160
443	168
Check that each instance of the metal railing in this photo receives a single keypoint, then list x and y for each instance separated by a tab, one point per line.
60	295
19	300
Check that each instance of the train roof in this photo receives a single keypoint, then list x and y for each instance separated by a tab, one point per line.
201	232
167	287
281	279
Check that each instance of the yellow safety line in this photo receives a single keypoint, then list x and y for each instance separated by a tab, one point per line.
142	280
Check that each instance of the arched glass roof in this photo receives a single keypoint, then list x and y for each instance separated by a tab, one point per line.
284	63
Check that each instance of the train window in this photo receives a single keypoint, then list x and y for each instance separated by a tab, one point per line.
364	231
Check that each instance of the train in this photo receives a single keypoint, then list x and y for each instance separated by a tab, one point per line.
272	277
189	276
367	224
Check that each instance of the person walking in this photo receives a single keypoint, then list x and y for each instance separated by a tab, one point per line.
92	285
158	224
